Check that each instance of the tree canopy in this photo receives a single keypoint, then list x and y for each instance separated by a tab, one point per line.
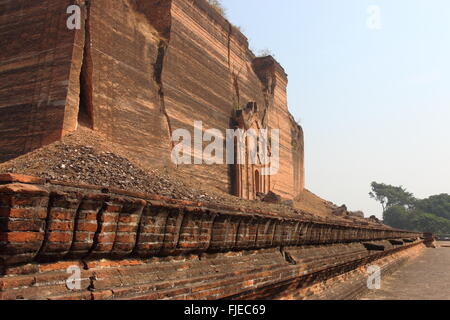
390	196
402	210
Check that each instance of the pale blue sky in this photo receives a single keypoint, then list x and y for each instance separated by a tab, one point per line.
374	104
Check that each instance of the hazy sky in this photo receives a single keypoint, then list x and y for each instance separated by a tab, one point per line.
374	104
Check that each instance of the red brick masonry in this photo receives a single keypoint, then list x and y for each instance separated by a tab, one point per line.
137	246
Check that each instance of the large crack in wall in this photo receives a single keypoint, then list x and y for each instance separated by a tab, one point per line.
159	16
86	108
158	68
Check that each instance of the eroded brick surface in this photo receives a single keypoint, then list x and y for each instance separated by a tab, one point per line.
130	246
134	72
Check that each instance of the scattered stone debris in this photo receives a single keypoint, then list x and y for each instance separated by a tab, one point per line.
375	220
272	197
341	211
75	160
84	157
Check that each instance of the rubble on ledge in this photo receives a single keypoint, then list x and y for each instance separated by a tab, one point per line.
86	158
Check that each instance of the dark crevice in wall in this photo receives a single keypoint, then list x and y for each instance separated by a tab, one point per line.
98	232
287	256
267	104
76	218
233	169
51	200
237	94
139	233
158	68
92	279
86	109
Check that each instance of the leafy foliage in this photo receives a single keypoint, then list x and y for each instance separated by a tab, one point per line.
438	205
390	196
402	210
397	217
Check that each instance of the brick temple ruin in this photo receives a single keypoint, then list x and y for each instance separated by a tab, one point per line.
136	71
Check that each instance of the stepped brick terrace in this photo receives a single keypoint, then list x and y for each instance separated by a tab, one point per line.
138	246
92	206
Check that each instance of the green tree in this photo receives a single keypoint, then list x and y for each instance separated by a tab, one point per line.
397	217
402	211
438	205
390	196
427	222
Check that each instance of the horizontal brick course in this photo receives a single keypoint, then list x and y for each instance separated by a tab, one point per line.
177	250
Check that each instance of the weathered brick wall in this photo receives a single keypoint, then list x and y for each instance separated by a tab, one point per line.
290	180
159	248
123	51
209	72
135	72
36	73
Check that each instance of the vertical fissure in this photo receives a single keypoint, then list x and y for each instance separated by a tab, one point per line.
158	70
86	109
237	98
